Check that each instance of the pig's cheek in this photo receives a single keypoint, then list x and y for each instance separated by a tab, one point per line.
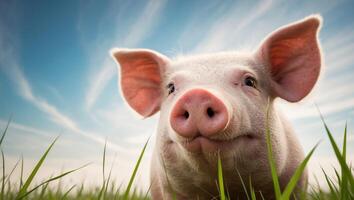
173	135
237	110
171	144
169	151
165	145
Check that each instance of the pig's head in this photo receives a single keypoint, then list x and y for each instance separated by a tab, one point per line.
217	102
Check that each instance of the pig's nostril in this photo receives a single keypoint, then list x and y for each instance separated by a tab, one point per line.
186	114
210	112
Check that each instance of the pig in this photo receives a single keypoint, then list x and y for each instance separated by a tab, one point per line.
215	105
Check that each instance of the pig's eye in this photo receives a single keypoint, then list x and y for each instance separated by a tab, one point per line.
170	88
250	81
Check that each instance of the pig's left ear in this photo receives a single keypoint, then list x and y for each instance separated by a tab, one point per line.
140	78
293	57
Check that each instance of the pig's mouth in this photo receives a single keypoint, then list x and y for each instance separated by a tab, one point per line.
205	144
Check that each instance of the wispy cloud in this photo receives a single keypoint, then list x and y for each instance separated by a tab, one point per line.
339	51
135	34
144	24
308	109
52	112
26	128
118	117
332	97
9	65
229	25
242	26
99	81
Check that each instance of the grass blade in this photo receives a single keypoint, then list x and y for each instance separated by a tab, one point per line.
344	180
12	171
339	179
331	186
107	182
3	175
243	184
345	169
67	192
4	133
103	171
220	179
27	183
126	194
174	196
21	173
297	175
271	160
147	192
44	189
344	150
104	160
50	180
117	193
252	192
262	197
80	191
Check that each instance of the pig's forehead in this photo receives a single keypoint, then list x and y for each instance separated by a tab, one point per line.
214	63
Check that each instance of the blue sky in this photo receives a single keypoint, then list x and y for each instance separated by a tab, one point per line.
57	78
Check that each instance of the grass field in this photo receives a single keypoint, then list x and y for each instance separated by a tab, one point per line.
340	187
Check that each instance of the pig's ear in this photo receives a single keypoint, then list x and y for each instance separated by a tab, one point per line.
140	78
293	57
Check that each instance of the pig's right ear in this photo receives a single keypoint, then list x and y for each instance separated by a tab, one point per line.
293	57
140	78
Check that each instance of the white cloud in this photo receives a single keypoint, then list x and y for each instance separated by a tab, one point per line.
9	65
338	91
144	23
55	92
139	30
99	81
13	70
53	113
26	128
230	25
243	25
308	109
120	117
196	22
341	38
339	53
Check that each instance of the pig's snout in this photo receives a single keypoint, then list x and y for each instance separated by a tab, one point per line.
199	112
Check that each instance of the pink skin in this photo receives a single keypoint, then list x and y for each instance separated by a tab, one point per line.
141	89
197	116
212	109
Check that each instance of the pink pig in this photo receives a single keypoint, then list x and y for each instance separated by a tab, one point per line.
216	104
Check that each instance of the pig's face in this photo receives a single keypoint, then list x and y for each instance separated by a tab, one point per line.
214	102
217	103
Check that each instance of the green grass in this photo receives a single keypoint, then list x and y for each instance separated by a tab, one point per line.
221	180
341	186
26	189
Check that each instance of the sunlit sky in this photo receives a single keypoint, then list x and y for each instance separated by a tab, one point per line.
57	78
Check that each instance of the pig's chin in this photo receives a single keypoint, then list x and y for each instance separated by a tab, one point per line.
201	144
